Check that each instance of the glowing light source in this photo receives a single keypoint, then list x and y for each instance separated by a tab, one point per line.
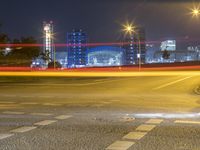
195	11
129	28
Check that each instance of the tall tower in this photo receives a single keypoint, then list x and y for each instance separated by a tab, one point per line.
76	55
48	41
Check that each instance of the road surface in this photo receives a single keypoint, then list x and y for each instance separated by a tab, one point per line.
113	113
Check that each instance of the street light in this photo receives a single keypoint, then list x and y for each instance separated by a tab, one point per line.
195	12
129	28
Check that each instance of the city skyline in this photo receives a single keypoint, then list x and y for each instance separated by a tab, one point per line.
100	15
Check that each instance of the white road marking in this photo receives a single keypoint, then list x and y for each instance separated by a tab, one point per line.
171	83
135	135
52	104
41	114
62	117
145	127
13	113
187	122
154	121
45	122
120	145
23	129
3	136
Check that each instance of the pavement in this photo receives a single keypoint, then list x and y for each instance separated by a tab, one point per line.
100	113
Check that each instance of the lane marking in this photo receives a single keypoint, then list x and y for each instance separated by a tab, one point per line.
145	127
41	114
23	129
13	113
120	145
187	122
45	122
3	136
62	117
51	104
154	121
135	135
171	83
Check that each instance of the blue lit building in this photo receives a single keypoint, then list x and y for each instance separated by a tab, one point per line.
76	52
105	56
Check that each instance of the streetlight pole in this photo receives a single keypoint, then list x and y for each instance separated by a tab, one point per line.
130	29
139	47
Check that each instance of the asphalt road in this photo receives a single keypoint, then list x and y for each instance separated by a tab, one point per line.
129	113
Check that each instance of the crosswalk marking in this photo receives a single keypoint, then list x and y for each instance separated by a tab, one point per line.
3	136
45	122
154	121
145	127
120	145
23	129
13	113
187	122
41	114
135	135
62	117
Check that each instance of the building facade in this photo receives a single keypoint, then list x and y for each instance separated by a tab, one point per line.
169	45
135	47
105	56
76	50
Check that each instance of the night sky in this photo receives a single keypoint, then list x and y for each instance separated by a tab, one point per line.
101	19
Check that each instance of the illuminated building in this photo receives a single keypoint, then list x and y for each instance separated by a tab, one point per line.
105	56
76	53
169	45
48	41
135	47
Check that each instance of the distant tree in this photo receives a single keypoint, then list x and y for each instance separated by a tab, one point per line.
166	54
57	65
25	55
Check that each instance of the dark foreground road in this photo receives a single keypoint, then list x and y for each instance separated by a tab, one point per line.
133	113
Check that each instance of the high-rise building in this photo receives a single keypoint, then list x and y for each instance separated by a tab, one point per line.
76	55
48	48
135	47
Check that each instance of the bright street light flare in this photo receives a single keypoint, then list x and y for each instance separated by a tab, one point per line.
128	28
195	12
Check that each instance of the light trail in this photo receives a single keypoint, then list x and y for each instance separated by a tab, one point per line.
101	74
12	45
